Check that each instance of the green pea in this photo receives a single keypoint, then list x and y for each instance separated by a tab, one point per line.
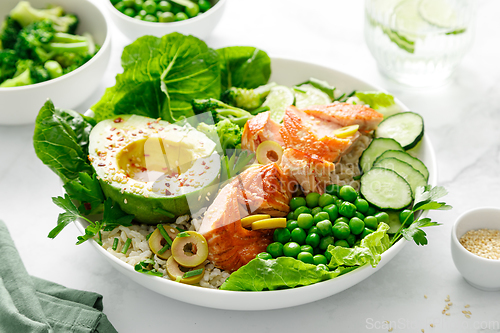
150	18
328	256
138	5
359	215
356	225
321	216
320	259
292	224
371	211
291	249
204	5
298	235
297	202
128	3
149	6
406	217
333	189
121	6
361	205
371	222
348	193
347	209
264	255
312	199
305	257
289	216
166	17
342	243
313	239
114	2
307	248
316	210
323	267
365	233
325	199
341	230
176	8
282	235
301	210
324	227
325	241
305	221
351	239
342	219
275	249
138	17
382	217
142	13
332	210
339	202
129	12
192	10
165	6
313	230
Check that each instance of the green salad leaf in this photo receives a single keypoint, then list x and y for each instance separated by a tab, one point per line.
61	141
382	102
243	67
87	190
160	78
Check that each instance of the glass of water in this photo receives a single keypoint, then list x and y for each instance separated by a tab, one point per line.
419	42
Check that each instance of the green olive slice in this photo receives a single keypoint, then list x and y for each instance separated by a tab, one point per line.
176	274
190	251
269	152
157	242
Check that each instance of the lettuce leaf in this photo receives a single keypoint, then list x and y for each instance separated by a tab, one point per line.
286	272
160	78
243	67
61	141
272	274
382	102
368	251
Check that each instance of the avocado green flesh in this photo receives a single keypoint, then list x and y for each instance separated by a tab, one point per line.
154	170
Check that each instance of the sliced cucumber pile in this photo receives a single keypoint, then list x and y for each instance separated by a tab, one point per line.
407	128
385	189
376	148
412	176
405	157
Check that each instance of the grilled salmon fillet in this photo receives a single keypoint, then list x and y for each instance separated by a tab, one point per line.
311	172
260	189
345	114
259	129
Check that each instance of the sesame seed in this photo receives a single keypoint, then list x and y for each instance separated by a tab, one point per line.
390	329
450	304
425	296
443	311
447	313
467	306
125	201
422	330
432	325
483	242
467	316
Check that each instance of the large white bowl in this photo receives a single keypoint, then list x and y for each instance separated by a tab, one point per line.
287	72
480	272
200	26
20	105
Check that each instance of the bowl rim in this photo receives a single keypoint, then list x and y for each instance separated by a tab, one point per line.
219	4
456	242
102	49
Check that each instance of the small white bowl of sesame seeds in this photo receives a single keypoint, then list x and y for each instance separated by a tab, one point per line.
475	247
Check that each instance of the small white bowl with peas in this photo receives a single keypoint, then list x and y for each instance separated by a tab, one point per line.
136	18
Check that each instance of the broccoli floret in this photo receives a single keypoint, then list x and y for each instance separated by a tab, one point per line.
248	99
26	15
227	133
8	60
53	68
23	79
221	111
32	41
8	33
37	73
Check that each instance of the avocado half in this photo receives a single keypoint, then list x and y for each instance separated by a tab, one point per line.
154	170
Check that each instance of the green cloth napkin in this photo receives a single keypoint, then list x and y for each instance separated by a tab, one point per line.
30	304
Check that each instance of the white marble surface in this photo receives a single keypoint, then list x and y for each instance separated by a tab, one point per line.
462	120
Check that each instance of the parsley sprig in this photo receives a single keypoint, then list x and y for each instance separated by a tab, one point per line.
425	199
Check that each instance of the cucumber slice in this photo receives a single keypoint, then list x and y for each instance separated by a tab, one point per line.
307	95
376	148
407	128
385	189
412	176
405	157
393	223
278	100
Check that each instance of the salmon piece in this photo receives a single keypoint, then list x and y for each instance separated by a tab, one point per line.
345	114
313	136
259	129
311	172
258	190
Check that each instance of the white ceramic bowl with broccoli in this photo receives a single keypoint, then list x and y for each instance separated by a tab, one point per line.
200	26
22	95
